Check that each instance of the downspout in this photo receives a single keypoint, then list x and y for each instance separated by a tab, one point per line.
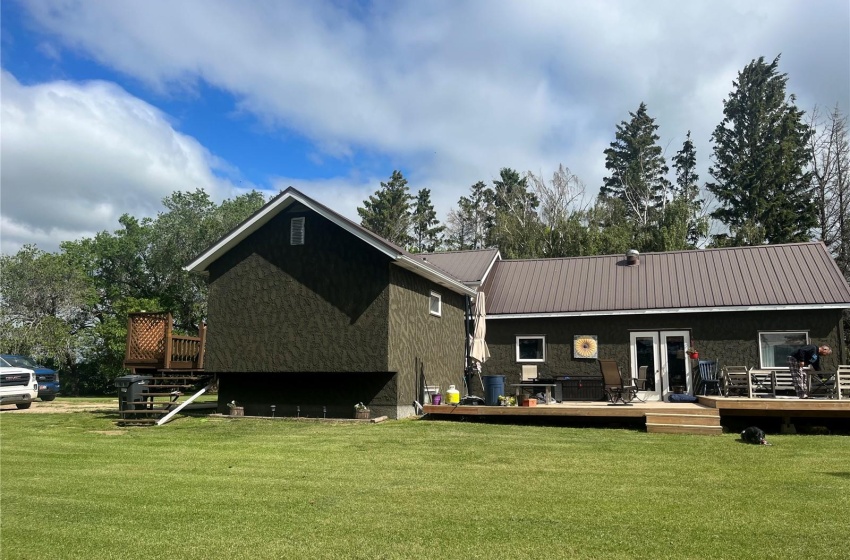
467	365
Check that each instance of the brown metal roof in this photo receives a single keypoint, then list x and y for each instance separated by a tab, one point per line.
470	267
764	276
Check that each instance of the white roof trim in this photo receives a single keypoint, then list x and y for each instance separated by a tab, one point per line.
669	311
264	216
268	212
496	258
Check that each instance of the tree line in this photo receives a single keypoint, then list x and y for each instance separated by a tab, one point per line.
776	175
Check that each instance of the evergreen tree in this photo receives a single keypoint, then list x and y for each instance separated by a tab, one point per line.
426	227
516	230
637	167
387	213
760	160
687	189
470	224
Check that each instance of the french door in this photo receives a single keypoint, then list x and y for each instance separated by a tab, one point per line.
663	354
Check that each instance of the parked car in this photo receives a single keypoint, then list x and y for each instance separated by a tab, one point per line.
17	385
48	379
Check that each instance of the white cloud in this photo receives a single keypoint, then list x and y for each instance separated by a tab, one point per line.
452	91
77	156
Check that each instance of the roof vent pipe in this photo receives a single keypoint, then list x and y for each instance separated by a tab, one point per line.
632	257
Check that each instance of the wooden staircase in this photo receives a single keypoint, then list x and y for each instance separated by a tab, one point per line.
171	366
159	394
700	421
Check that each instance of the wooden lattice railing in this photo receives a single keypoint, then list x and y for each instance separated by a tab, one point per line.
151	345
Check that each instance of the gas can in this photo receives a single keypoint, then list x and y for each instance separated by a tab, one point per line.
452	395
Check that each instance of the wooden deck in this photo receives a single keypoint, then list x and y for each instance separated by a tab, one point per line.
703	417
778	406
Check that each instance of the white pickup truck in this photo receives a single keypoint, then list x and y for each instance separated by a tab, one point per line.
18	386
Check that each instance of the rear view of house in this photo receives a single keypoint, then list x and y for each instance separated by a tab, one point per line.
312	313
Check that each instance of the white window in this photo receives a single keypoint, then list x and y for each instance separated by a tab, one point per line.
296	231
531	348
775	347
435	304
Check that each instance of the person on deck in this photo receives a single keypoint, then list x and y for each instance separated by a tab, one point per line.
804	356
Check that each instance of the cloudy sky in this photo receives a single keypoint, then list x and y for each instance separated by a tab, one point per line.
107	107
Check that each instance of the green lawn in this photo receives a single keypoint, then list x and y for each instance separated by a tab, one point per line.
74	486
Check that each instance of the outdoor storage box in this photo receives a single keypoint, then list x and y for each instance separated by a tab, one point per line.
581	389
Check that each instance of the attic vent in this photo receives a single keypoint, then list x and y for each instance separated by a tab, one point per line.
296	231
632	257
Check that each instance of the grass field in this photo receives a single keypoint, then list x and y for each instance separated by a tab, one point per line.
74	486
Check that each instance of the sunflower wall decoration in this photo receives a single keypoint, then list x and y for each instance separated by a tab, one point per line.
585	346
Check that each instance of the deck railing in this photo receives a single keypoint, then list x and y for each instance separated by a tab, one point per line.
151	344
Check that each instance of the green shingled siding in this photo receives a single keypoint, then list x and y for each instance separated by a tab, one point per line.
730	338
417	337
318	307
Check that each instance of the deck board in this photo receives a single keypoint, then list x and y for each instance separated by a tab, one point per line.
709	405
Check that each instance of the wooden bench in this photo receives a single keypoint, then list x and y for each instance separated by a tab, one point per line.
783	382
842	382
761	382
735	380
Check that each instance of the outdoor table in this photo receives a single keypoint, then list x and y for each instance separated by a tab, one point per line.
822	383
547	387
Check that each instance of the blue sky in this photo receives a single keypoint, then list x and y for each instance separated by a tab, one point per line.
107	107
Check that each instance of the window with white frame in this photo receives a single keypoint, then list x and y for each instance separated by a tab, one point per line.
435	304
531	349
775	347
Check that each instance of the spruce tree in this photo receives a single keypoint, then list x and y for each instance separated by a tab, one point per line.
687	189
470	224
426	227
516	230
637	166
387	212
760	162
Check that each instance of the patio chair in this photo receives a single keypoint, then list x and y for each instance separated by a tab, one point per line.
617	387
708	377
735	381
842	382
641	380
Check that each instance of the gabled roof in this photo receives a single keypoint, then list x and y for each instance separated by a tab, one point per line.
470	267
291	196
792	276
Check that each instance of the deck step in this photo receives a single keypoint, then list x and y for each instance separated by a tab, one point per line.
700	423
686	419
654	428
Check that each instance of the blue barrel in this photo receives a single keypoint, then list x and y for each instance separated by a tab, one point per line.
494	385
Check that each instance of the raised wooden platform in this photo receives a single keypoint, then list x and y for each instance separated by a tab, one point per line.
703	417
778	406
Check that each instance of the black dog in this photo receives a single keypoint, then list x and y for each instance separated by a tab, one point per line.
754	435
